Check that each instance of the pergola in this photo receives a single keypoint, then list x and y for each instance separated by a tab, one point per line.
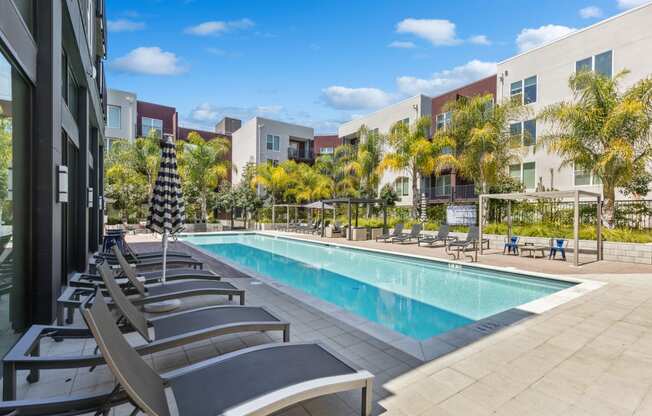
576	195
287	208
350	202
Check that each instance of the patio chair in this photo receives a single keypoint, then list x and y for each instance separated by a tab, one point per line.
470	243
511	245
151	262
396	232
170	331
442	236
414	234
334	230
558	245
257	380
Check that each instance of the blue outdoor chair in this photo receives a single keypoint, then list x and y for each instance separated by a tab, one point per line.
511	245
558	246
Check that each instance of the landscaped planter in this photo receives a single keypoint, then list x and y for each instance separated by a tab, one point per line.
359	234
375	233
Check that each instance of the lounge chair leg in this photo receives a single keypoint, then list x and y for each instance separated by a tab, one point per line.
286	334
230	297
242	299
59	314
8	381
34	373
70	313
367	398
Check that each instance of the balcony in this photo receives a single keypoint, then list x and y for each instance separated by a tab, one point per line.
300	154
448	193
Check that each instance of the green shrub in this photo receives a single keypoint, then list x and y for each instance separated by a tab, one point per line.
587	232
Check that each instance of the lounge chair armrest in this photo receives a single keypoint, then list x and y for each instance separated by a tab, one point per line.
30	339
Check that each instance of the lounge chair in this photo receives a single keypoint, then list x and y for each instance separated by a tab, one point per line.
470	243
511	245
414	234
558	245
334	230
176	289
257	380
443	236
151	262
396	232
170	331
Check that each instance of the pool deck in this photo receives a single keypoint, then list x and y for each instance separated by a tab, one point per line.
589	356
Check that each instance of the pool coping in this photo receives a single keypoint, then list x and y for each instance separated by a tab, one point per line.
438	345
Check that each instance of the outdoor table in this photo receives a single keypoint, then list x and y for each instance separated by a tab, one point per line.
533	248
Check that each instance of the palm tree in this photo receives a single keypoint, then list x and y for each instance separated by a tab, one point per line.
145	155
310	185
411	151
367	163
603	131
274	179
478	142
203	165
338	167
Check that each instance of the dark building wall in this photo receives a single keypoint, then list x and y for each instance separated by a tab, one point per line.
183	133
326	141
156	111
483	86
228	125
46	45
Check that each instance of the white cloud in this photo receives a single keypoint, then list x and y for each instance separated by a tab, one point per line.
591	12
480	40
443	81
218	27
149	60
344	98
402	45
436	31
125	25
628	4
531	38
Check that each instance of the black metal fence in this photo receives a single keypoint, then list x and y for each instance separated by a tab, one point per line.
629	214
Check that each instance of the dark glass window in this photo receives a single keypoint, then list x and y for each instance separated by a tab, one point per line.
516	91
584	65
529	133
14	130
516	131
530	90
603	64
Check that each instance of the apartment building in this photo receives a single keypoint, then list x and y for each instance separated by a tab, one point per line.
121	115
262	140
447	186
406	111
539	77
326	144
52	116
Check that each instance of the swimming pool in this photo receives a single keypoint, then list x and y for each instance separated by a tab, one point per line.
417	298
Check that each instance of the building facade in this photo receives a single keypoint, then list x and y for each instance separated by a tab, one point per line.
156	119
326	144
52	117
539	77
262	140
407	111
121	116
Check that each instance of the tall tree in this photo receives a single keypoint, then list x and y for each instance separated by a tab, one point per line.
477	143
310	185
145	156
411	152
603	131
338	167
203	165
366	164
275	180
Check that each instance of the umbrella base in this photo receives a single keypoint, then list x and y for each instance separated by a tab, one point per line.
164	306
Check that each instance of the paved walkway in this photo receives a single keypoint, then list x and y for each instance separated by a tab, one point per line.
591	356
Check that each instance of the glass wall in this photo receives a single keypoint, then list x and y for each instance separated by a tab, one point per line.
14	130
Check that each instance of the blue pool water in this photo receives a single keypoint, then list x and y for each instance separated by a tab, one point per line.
417	298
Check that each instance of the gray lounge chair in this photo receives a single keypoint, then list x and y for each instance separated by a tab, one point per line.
443	236
177	289
155	262
396	232
470	243
414	234
257	380
170	331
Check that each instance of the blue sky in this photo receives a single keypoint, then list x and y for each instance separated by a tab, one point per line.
321	63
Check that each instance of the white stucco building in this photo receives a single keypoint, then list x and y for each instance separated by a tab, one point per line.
262	140
540	77
408	111
121	115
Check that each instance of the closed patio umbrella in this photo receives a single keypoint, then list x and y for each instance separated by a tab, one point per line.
166	207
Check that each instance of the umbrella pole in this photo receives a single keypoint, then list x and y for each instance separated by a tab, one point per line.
165	255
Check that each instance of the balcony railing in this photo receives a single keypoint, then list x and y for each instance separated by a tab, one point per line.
447	192
298	154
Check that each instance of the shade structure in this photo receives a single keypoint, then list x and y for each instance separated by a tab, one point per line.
166	206
318	205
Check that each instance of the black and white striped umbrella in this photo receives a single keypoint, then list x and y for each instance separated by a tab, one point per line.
166	207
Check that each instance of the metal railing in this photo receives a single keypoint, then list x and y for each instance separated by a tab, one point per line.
447	192
294	153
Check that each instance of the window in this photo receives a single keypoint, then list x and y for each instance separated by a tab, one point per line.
584	177
524	91
272	162
114	117
530	90
402	186
69	87
327	150
443	120
273	143
152	126
529	133
443	185
601	64
524	133
525	173
405	121
529	174
516	91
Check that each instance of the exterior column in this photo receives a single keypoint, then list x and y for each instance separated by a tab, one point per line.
81	227
576	230
598	229
481	220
